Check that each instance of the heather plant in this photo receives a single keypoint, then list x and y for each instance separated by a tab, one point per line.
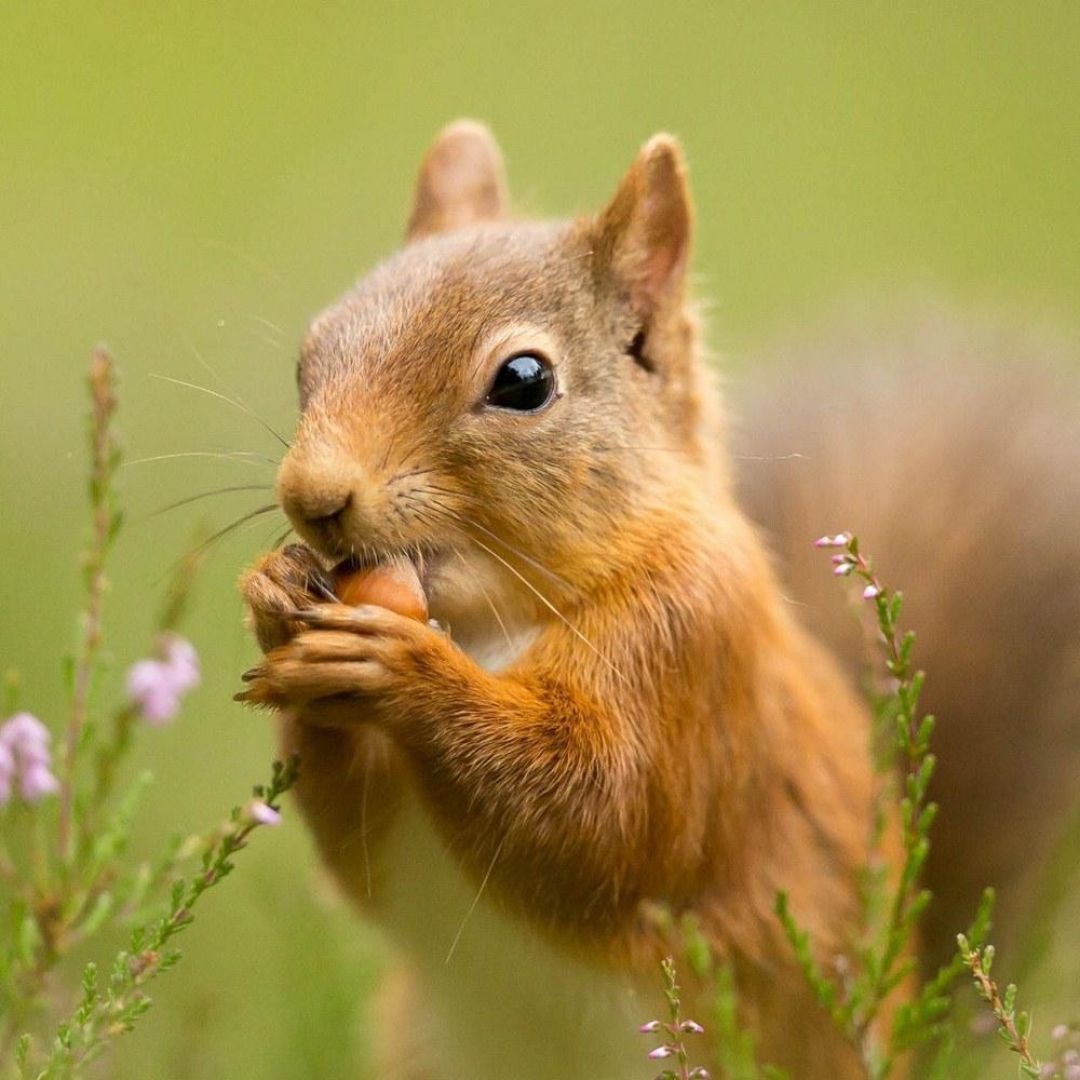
891	909
853	989
68	879
1013	1028
673	1031
884	958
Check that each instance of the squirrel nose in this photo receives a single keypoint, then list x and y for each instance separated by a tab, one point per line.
315	499
315	506
319	508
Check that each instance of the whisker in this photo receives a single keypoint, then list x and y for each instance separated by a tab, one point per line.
206	495
364	827
419	504
793	456
201	548
325	592
266	340
549	605
230	392
246	457
576	258
281	538
244	257
520	554
221	397
491	604
265	322
612	448
427	491
361	833
273	531
415	472
419	510
476	900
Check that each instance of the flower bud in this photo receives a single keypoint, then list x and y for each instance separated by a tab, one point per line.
36	782
261	813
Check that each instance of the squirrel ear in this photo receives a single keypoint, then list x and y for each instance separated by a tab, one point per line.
462	181
643	236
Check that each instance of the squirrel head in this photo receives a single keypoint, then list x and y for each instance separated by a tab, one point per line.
503	399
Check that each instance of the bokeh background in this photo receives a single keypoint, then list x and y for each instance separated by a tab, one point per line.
191	180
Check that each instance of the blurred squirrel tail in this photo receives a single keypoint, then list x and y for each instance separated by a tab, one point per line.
952	449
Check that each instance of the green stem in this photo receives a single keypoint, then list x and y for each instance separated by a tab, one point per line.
103	524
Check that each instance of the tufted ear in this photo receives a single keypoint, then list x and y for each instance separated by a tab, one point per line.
462	181
643	236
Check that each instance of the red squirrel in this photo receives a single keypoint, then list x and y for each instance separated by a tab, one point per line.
616	708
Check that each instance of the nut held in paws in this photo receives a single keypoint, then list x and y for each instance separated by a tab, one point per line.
394	586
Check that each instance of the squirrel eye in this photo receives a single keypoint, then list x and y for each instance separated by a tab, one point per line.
525	383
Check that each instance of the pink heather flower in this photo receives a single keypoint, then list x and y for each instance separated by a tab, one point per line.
183	663
36	782
25	730
844	569
871	592
263	814
661	1052
839	540
24	755
1072	1072
150	686
650	1027
1059	1031
156	686
692	1027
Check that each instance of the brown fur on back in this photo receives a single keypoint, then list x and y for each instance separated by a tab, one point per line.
952	449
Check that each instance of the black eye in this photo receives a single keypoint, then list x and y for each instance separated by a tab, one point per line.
525	382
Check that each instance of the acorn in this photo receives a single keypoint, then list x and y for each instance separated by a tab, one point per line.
392	585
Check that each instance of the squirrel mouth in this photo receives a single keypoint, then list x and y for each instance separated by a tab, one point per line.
423	561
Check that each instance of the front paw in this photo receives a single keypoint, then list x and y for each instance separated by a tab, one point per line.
352	652
276	586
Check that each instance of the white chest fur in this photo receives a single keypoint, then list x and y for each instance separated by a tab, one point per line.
497	651
501	1001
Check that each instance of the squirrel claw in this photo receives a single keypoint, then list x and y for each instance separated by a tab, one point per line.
253	695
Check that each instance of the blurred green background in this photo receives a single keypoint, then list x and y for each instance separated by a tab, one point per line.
182	179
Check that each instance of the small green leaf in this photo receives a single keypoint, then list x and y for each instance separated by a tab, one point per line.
97	915
30	939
